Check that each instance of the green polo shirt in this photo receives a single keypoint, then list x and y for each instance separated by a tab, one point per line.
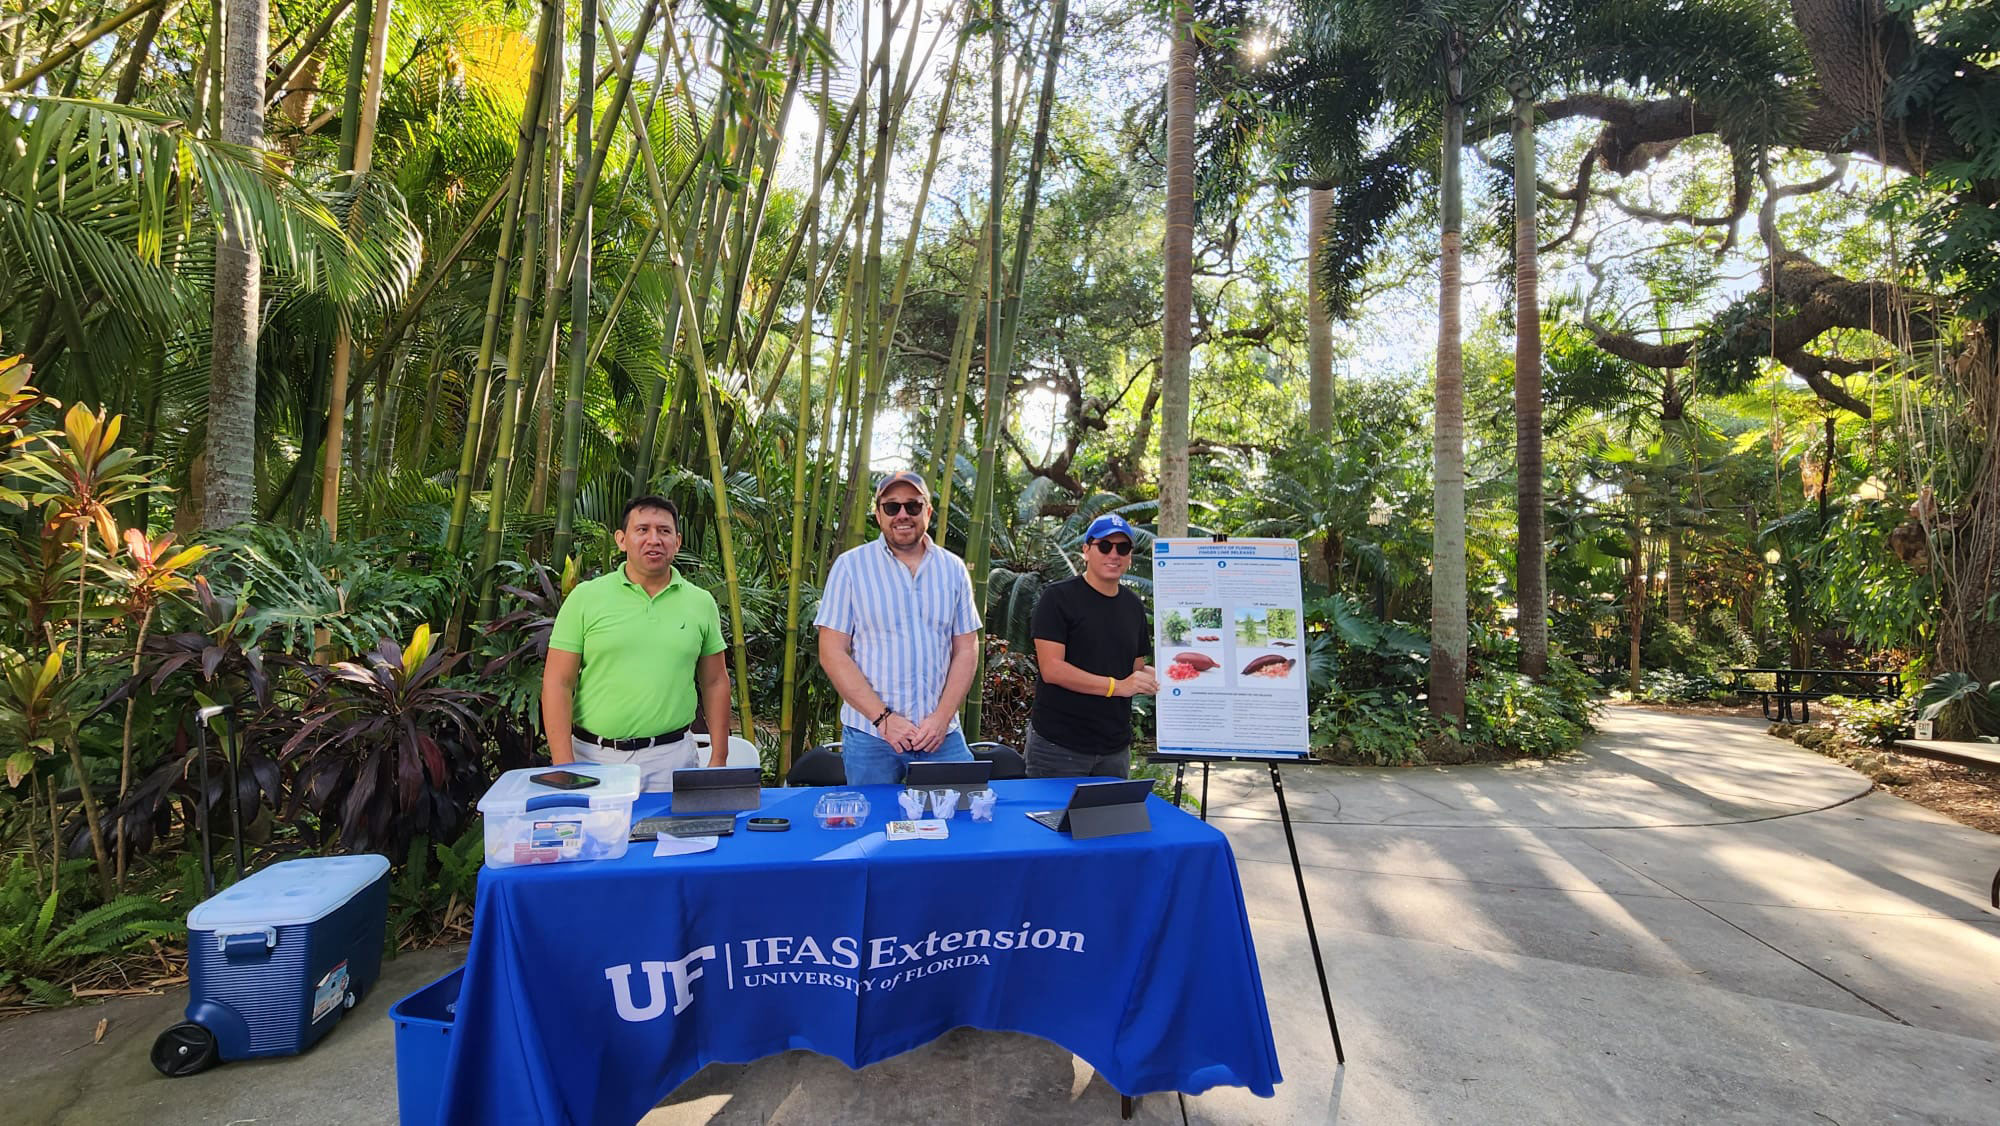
638	652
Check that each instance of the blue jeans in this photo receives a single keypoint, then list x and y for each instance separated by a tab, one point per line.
871	761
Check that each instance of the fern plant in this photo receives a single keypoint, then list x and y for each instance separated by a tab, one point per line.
38	945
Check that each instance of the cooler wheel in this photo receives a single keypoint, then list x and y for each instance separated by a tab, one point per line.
184	1049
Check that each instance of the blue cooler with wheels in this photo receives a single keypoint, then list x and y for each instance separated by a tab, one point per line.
274	961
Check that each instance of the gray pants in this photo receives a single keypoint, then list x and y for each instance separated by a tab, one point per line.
1053	760
656	764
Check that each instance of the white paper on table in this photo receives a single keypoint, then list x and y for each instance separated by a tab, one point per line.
682	846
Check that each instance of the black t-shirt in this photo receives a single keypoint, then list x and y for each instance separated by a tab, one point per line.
1100	635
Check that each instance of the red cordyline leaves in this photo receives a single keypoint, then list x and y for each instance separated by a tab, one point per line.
386	723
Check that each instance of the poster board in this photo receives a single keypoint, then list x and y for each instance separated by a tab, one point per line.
1229	644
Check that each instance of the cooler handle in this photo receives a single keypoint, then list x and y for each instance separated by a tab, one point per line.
552	801
247	944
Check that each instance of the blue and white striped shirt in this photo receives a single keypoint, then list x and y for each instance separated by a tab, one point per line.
902	623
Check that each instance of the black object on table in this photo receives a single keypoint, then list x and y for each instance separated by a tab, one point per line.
650	828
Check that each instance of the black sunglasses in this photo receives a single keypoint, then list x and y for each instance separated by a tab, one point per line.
909	507
1115	547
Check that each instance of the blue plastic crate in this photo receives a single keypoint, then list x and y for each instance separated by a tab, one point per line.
423	1036
274	961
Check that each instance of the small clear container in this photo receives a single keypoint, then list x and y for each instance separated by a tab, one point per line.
842	809
944	804
982	804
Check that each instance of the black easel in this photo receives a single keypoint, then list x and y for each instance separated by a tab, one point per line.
1291	845
1127	1102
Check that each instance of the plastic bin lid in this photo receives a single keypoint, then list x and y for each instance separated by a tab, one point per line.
289	893
516	792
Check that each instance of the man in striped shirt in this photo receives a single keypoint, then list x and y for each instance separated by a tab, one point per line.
898	635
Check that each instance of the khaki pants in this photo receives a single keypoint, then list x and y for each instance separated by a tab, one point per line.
656	764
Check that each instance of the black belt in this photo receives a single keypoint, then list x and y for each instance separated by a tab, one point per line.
637	743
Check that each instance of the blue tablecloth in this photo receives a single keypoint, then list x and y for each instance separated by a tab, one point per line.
593	989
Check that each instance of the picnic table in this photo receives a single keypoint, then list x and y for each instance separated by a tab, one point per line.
1797	688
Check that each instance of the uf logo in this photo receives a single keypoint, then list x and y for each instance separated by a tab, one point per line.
684	972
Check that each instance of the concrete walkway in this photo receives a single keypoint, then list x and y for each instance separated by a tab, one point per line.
1691	922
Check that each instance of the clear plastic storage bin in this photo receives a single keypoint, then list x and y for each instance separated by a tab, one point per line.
842	809
528	822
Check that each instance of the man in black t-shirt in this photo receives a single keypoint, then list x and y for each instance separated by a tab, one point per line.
1091	644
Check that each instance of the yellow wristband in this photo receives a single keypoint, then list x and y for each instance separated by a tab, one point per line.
1110	685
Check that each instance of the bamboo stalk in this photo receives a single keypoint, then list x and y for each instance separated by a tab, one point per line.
977	551
893	312
663	200
875	374
579	336
794	573
358	148
393	335
724	528
524	299
475	405
840	395
540	368
750	223
276	89
814	207
76	42
951	413
537	396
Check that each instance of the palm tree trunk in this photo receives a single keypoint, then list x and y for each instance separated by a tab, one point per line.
1675	578
1319	356
1177	326
1319	323
1531	548
229	485
1635	606
1449	627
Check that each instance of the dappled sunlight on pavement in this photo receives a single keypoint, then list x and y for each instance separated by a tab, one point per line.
1689	921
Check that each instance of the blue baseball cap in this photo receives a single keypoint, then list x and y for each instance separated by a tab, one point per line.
914	480
1109	524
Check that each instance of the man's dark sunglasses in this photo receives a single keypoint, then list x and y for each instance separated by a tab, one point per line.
1115	547
909	507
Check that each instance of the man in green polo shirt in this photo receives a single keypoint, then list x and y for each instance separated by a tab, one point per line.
626	653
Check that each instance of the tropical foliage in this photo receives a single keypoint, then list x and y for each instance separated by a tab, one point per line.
1583	346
